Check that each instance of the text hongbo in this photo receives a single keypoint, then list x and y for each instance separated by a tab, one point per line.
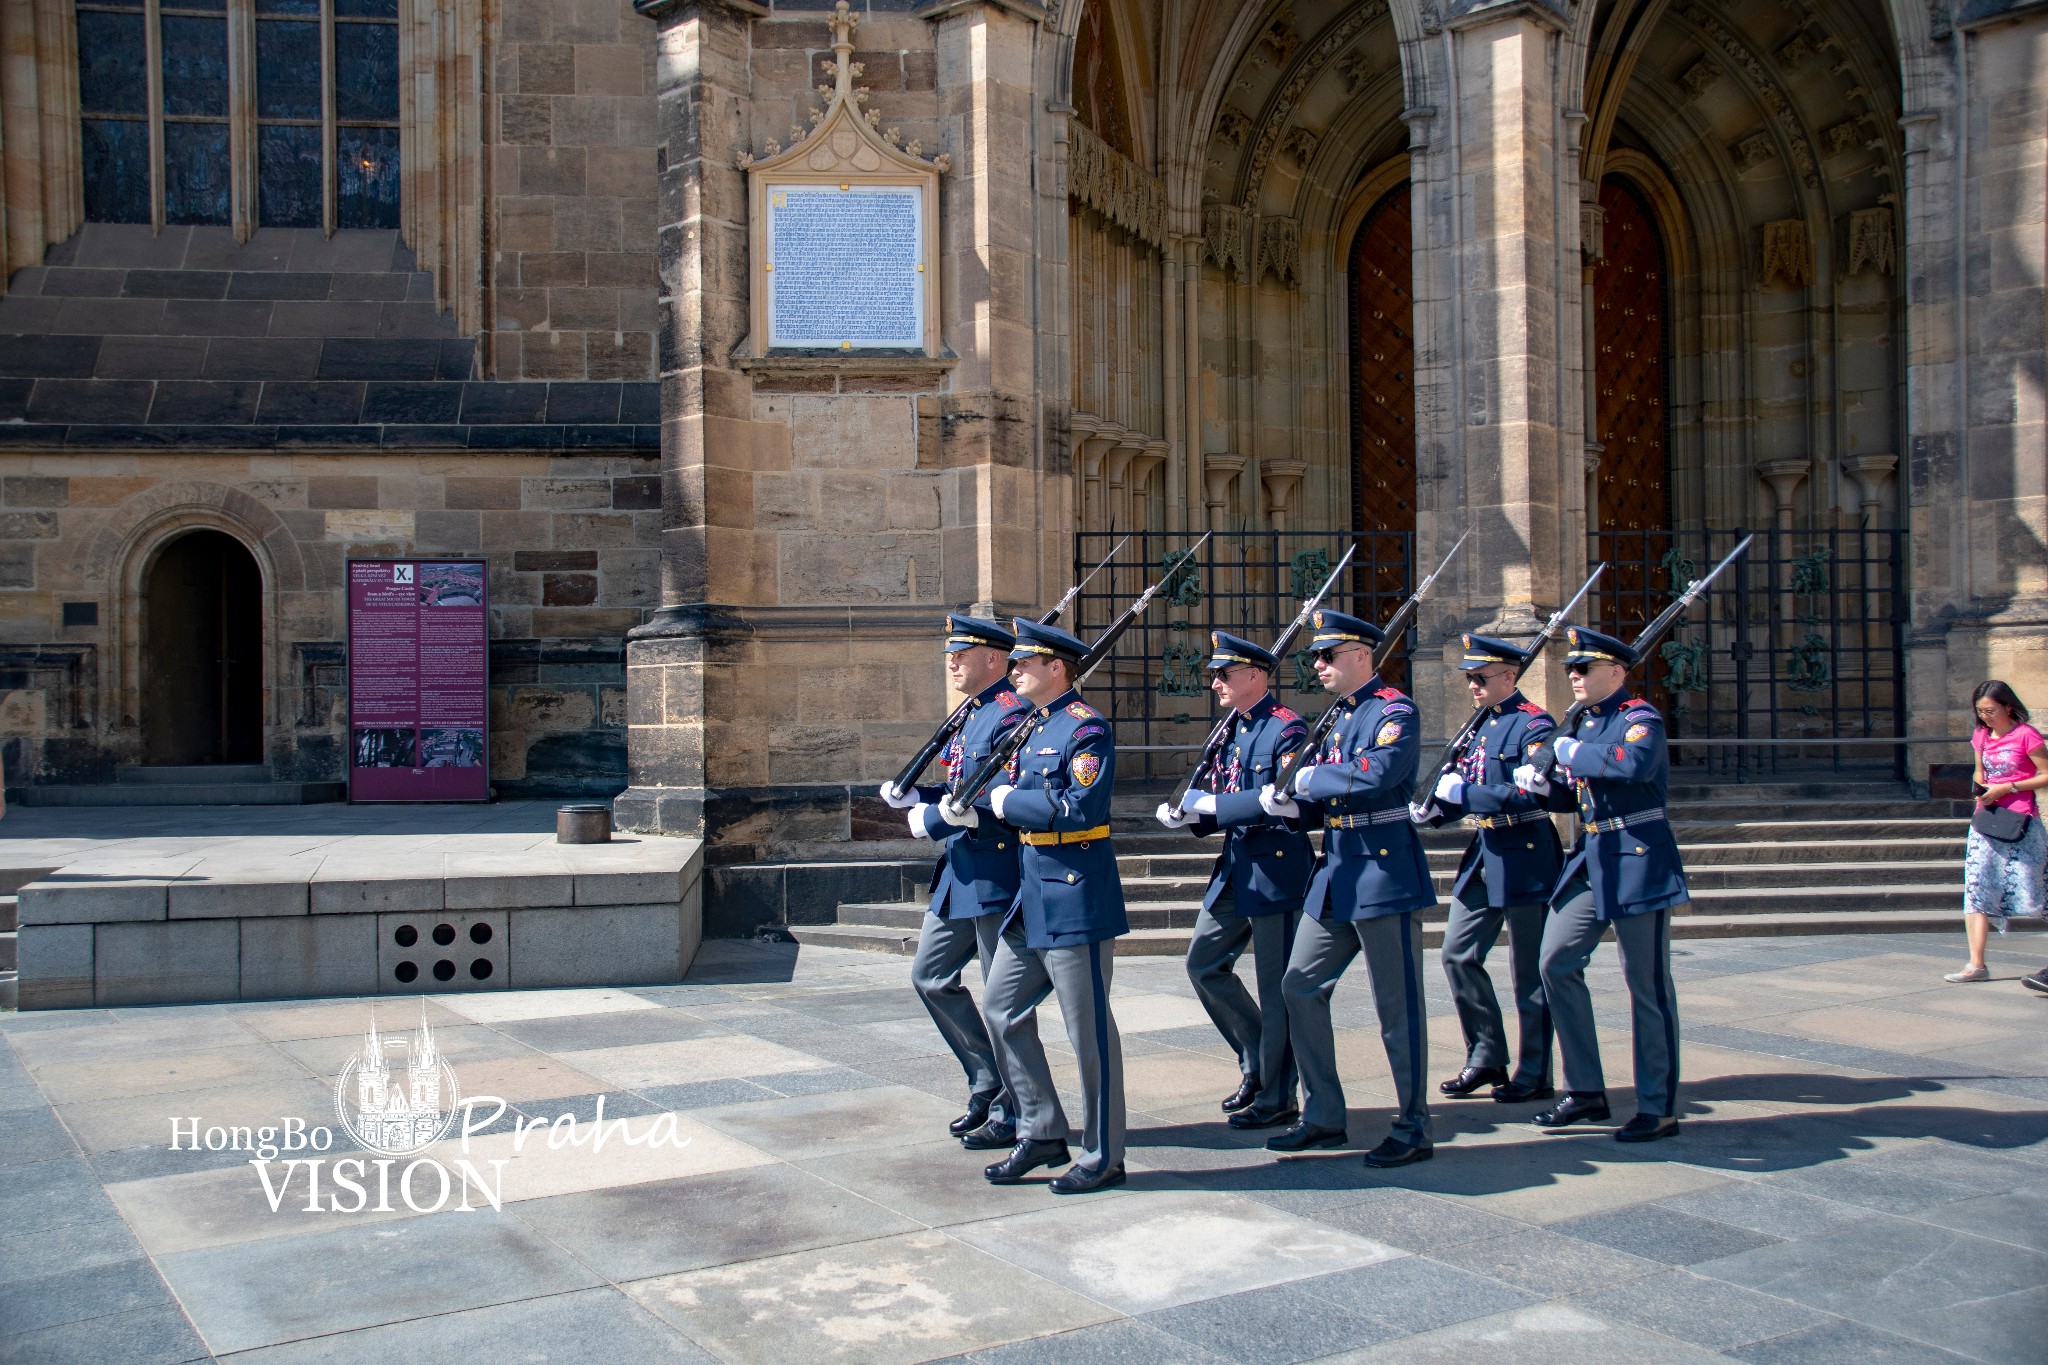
425	1184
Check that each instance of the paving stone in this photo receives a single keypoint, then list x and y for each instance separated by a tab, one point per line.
933	1179
706	1094
1704	1312
370	1273
1126	1341
610	1028
1280	1323
618	1104
1414	1222
1844	1343
143	1336
34	1135
51	1195
1765	1207
808	1126
1415	1294
2021	1219
1170	1249
1546	1262
83	1292
710	1058
1660	1234
586	1324
1909	1179
905	1298
823	1081
1530	1336
58	1251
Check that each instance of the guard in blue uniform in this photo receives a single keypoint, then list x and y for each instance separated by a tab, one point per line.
1058	939
1255	888
974	880
1368	884
1505	878
1625	871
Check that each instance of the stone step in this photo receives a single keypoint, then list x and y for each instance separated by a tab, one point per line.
188	773
182	794
1784	855
10	913
8	941
9	991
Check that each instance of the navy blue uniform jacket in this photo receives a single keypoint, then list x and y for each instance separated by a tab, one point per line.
1372	867
1620	772
976	872
1266	861
1068	893
1508	864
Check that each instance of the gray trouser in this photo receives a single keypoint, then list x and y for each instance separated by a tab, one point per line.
1019	980
1257	1033
1393	957
943	950
1468	938
1569	937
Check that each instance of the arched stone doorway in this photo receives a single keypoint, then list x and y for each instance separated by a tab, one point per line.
1383	369
202	698
1630	350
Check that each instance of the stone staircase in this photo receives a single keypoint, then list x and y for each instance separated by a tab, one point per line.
1793	857
206	784
11	881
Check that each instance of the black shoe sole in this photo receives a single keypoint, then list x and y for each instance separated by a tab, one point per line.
1017	1178
1656	1135
2038	987
1450	1092
1601	1117
986	1145
1246	1121
1333	1140
1108	1182
1382	1164
1549	1093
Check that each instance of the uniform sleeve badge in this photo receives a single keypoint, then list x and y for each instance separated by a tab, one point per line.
1087	767
1637	733
1534	747
1388	733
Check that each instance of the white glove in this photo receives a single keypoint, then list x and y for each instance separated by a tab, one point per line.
898	800
1450	789
966	819
1531	781
1419	814
1301	778
1172	821
917	829
1564	749
1273	803
998	795
1204	804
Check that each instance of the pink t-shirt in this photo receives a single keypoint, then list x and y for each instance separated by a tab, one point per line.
2005	758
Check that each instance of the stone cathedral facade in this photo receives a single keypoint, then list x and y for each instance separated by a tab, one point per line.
484	280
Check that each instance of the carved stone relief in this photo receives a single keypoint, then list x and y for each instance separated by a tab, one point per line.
1232	126
1299	146
1225	237
1773	99
1280	249
1873	240
1788	255
1754	150
1700	77
1328	44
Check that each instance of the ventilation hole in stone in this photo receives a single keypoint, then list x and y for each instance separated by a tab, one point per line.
479	933
444	970
444	934
481	968
406	971
406	936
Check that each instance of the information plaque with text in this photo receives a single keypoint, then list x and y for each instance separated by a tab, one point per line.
846	267
418	680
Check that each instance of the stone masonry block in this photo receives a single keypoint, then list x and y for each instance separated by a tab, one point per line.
476	884
254	892
55	965
615	945
358	890
152	964
79	899
292	959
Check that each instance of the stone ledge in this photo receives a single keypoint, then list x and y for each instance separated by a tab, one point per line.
846	371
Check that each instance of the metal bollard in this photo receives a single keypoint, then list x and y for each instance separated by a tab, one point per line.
587	823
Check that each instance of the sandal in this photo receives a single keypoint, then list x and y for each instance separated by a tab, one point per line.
1969	974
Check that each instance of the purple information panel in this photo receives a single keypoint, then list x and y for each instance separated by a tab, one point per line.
418	680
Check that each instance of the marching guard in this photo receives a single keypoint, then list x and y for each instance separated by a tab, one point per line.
1367	886
1255	889
974	880
1624	870
1505	878
1059	938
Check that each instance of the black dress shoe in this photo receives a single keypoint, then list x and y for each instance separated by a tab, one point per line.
1242	1097
1252	1118
1395	1153
1084	1180
1521	1092
1027	1156
1647	1128
1303	1136
1471	1078
1590	1107
990	1137
976	1115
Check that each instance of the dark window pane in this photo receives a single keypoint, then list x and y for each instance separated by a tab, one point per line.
196	172
287	69
366	9
116	170
117	4
214	6
366	71
111	64
287	6
195	66
368	181
288	177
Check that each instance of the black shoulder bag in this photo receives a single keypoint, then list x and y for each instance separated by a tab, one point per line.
2000	823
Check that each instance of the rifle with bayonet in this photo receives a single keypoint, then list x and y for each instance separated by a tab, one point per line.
1212	751
943	736
1396	627
1013	739
1544	761
1455	750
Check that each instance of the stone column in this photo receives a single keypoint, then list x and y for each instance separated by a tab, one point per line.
1871	473
1282	480
708	551
1218	472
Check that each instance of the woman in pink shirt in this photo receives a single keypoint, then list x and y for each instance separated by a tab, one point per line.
2006	858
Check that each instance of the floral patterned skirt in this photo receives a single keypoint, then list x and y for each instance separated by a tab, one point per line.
2007	880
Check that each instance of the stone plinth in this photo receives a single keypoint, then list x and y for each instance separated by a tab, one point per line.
487	912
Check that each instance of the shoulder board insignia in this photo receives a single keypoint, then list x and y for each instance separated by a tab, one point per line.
1008	698
1637	733
1532	708
1387	693
1081	710
1284	713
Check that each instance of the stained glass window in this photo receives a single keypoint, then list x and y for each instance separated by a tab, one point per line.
164	142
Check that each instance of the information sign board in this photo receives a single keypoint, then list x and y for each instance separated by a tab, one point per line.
847	267
418	680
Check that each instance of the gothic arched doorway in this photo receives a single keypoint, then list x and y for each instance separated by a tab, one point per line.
1382	306
203	653
1634	490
